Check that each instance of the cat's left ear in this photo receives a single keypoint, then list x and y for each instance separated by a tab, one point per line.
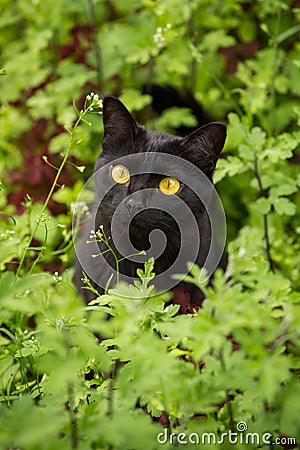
206	144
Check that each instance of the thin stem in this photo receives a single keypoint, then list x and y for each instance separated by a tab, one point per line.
227	94
265	216
116	260
228	396
54	184
41	252
192	37
275	69
98	56
110	398
142	252
11	217
73	421
103	238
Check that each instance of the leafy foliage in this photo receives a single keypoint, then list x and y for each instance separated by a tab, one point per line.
235	359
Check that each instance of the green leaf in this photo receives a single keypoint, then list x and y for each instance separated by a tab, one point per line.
230	166
283	205
257	138
287	188
237	126
175	117
263	205
134	100
287	34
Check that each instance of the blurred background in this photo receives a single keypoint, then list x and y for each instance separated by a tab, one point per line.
176	64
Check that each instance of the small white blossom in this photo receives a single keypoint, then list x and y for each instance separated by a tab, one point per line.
85	280
7	235
159	36
242	252
41	218
93	101
56	277
79	208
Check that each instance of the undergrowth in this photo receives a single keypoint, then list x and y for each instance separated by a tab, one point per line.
198	376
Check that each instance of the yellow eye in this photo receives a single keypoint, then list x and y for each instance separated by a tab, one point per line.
169	186
120	174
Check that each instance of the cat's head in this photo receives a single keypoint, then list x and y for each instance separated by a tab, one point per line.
124	137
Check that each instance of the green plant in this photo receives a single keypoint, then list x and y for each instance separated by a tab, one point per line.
236	360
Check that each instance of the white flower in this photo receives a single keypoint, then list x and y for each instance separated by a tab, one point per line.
159	38
79	208
56	277
41	218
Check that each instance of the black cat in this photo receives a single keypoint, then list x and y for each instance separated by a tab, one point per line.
145	182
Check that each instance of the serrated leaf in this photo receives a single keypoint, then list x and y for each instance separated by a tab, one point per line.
284	189
134	100
257	138
275	154
230	166
237	126
263	205
283	205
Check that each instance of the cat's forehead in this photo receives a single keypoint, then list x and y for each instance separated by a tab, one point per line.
149	152
155	141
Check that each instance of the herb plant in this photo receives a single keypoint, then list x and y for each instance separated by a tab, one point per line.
116	373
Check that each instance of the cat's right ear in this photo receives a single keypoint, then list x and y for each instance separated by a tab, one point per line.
117	120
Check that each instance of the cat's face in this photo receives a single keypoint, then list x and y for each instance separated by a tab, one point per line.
134	191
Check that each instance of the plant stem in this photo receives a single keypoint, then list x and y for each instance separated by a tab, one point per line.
265	216
105	239
73	422
228	396
92	16
116	261
192	37
274	73
227	94
54	184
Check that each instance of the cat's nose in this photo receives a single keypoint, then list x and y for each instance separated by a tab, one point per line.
134	206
